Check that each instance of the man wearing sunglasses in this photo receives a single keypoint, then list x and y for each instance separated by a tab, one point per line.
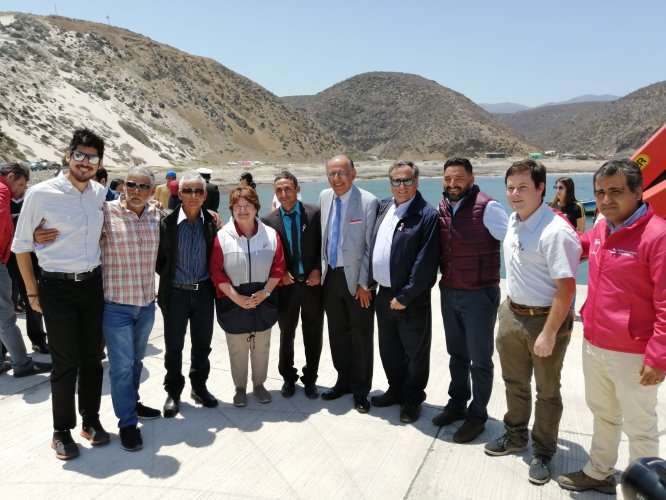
186	293
472	226
404	255
70	287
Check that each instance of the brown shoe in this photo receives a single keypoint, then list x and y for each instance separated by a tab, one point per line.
579	481
469	430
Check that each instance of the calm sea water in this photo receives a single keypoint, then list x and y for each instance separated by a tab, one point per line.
431	189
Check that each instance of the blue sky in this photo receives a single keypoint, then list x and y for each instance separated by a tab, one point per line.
529	52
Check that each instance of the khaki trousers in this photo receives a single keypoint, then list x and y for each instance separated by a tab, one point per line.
619	403
515	344
258	345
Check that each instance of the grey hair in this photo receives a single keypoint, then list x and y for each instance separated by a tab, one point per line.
626	167
191	176
405	163
142	172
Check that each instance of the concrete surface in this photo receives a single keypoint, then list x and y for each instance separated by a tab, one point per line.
290	448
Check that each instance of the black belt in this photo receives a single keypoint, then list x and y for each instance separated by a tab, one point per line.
192	287
340	269
72	276
301	278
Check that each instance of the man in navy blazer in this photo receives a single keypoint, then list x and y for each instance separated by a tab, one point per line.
404	257
299	228
347	218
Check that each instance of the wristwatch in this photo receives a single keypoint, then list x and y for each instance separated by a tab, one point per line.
268	294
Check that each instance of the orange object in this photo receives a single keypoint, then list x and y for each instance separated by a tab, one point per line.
656	197
652	157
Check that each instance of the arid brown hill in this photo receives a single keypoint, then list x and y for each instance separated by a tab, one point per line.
618	127
403	115
150	101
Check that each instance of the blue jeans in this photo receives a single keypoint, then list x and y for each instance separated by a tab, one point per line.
126	331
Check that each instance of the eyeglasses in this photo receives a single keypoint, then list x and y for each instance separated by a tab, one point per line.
192	192
240	208
340	173
134	185
406	182
559	187
79	156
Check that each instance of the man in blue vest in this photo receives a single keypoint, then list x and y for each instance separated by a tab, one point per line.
472	225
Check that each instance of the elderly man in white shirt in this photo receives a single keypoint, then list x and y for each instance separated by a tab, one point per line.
541	252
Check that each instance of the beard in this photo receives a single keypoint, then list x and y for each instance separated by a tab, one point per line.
457	197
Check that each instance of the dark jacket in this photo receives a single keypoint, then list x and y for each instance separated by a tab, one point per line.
168	251
212	201
414	250
470	255
310	236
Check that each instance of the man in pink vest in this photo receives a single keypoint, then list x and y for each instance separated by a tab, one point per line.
624	319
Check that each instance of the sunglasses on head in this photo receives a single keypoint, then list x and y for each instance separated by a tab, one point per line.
134	185
79	156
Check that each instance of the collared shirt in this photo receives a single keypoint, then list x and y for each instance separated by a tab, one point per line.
287	220
344	203
640	211
495	218
129	251
381	255
77	216
191	263
538	251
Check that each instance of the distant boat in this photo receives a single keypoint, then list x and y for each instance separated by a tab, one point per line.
590	207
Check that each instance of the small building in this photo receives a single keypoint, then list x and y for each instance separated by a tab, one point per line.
495	154
536	156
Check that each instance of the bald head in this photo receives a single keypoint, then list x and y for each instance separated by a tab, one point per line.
341	174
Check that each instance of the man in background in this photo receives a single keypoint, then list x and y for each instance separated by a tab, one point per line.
162	192
212	201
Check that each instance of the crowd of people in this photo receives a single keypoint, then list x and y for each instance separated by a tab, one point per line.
88	260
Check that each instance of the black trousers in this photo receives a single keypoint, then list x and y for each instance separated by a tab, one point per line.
350	334
308	301
33	319
404	345
196	307
73	315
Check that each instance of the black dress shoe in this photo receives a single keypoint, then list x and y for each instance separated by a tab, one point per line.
311	391
361	404
386	399
171	408
409	413
288	389
448	416
203	397
333	393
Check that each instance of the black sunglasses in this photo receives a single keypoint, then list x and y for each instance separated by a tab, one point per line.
134	185
190	191
406	182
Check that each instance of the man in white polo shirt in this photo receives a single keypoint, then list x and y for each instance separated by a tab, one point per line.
541	252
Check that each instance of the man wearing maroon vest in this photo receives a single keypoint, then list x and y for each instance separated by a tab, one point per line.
472	225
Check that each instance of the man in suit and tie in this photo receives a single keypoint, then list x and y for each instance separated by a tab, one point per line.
299	228
348	217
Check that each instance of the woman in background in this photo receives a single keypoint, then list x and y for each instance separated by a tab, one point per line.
565	201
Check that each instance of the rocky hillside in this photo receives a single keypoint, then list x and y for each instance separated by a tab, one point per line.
152	103
538	124
618	127
402	115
